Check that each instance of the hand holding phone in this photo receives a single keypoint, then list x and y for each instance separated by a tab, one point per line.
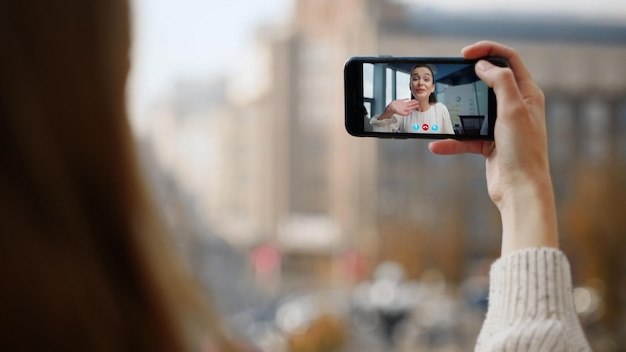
518	173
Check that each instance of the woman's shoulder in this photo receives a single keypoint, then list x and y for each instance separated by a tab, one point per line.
441	106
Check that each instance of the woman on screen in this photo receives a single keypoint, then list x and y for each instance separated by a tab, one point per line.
422	113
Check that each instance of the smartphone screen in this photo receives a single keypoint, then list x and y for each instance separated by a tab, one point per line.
410	97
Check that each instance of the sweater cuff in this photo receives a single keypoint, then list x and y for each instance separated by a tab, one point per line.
531	283
531	306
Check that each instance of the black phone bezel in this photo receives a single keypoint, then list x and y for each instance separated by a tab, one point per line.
353	96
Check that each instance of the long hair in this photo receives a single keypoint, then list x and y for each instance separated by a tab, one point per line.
432	98
85	263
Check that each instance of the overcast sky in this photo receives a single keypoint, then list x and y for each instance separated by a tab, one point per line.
191	39
596	9
197	39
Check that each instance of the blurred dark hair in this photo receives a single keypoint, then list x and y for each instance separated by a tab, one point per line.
85	262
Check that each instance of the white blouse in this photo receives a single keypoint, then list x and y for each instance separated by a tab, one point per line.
434	120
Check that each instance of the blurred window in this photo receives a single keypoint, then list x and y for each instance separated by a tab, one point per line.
402	85
368	88
368	108
390	93
560	122
595	120
621	126
368	81
397	85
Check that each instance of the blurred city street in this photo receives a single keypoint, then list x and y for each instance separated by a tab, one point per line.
310	239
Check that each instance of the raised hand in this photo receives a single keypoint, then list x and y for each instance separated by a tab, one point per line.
400	107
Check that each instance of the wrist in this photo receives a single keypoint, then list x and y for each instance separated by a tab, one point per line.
386	114
528	213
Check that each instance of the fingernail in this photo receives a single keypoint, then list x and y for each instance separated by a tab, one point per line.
484	65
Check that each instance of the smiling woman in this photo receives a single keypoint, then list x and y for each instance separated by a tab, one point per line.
422	113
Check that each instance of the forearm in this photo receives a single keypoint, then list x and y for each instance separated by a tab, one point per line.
529	217
382	120
387	113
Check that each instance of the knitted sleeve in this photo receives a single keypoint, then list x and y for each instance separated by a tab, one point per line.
531	306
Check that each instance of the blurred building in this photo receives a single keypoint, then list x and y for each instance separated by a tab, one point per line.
274	165
289	174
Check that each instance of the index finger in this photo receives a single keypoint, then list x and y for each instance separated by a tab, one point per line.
453	146
488	48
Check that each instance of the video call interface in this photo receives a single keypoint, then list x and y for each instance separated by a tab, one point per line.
456	86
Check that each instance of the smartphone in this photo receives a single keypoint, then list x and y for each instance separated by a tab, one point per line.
418	97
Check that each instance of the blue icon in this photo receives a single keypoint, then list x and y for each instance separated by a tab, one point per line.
458	99
416	127
435	127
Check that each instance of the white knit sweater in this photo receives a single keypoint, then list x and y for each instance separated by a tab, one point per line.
530	305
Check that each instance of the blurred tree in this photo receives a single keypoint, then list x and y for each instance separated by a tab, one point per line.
403	244
418	248
594	228
325	334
